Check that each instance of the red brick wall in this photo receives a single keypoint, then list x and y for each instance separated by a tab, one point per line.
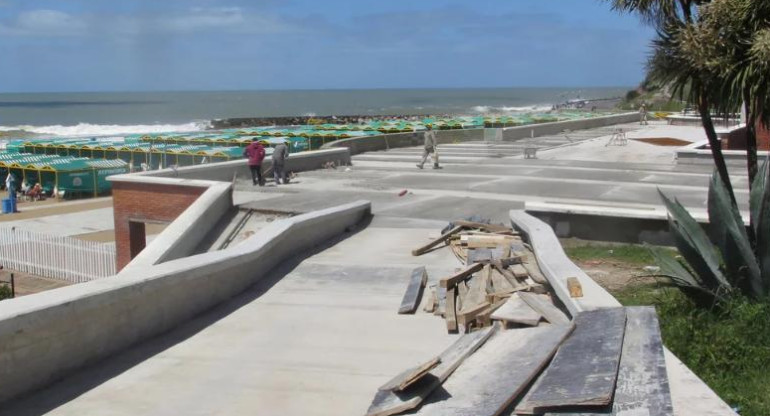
737	139
135	203
763	137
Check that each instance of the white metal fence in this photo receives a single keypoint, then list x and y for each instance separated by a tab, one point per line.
57	257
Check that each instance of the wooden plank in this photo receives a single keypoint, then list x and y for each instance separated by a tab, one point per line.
492	228
389	403
642	387
451	281
575	289
500	283
414	291
467	315
519	271
450	313
517	311
485	241
583	373
534	271
477	291
440	301
410	376
497	374
444	237
430	304
545	307
483	318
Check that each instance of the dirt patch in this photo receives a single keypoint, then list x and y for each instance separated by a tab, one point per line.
29	210
614	276
27	284
664	141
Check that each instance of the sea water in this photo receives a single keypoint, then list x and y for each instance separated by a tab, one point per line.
112	113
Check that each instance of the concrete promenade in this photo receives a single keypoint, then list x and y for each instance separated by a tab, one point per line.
488	178
317	337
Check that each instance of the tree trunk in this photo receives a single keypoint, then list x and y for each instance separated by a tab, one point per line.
751	138
716	146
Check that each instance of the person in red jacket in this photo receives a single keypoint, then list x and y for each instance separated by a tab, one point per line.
256	153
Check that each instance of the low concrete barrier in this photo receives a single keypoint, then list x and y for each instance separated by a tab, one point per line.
696	154
224	171
546	129
689	394
358	145
46	336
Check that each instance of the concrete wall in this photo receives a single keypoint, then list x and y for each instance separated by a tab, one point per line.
358	145
546	129
182	237
46	336
224	171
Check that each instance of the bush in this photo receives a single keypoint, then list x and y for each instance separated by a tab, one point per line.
5	291
632	95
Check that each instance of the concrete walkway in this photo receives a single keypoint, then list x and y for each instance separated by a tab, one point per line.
490	178
317	338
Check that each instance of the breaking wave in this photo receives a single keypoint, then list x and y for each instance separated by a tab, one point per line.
486	109
87	129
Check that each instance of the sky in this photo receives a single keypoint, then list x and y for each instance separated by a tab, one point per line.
165	45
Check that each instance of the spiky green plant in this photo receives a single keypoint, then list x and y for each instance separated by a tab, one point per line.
727	262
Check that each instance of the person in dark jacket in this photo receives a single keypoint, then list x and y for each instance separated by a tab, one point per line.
280	153
256	154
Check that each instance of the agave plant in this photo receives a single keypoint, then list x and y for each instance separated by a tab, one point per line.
728	261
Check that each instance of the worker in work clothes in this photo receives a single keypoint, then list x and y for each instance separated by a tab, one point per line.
280	153
643	115
256	154
431	148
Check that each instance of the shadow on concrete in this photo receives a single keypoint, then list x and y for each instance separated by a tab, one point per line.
61	392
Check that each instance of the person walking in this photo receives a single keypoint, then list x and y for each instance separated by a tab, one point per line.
256	154
431	148
643	115
280	153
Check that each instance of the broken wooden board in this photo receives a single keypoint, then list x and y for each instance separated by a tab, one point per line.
450	281
517	311
390	403
477	290
444	237
583	373
543	305
414	291
500	283
484	255
497	374
410	376
467	315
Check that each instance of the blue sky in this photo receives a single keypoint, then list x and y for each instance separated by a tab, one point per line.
147	45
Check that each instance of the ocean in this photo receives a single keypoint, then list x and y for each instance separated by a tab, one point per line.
113	113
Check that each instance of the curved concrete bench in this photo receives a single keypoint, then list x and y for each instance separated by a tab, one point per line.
689	394
46	336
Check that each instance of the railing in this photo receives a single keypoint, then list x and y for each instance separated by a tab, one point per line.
56	257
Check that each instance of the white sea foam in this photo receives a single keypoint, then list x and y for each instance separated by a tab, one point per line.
486	109
87	129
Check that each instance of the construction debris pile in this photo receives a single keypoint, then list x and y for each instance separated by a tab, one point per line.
519	353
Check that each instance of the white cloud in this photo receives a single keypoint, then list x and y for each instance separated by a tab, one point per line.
45	23
195	20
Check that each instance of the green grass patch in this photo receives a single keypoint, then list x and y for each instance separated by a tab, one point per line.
728	347
633	254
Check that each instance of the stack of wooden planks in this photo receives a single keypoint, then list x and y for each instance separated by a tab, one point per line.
499	281
518	352
604	362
